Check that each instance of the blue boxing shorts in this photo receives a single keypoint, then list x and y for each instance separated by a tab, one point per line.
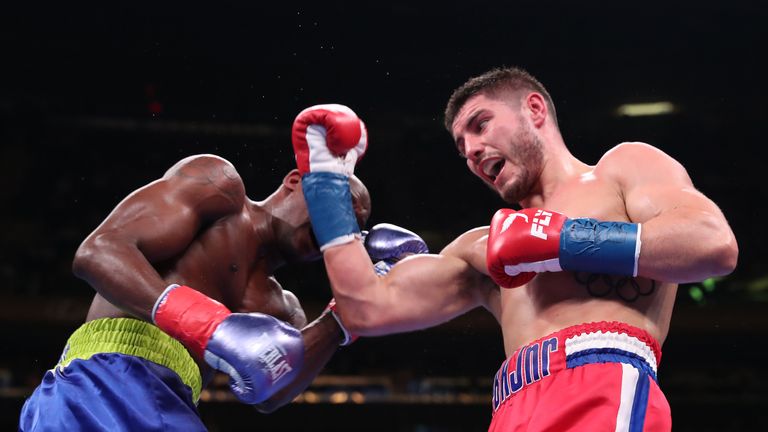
117	374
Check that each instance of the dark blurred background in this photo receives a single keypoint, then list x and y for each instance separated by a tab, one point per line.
97	100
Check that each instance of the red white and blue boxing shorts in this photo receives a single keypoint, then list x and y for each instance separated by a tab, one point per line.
590	377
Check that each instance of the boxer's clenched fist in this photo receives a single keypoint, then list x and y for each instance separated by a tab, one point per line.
328	138
328	141
523	243
260	353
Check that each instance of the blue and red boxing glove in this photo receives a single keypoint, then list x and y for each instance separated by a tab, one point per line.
523	243
328	140
260	353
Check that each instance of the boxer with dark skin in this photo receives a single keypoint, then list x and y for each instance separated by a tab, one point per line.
196	228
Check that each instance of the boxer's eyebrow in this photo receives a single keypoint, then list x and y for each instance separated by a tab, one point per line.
459	141
471	120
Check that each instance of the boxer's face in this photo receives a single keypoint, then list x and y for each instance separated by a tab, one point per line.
500	145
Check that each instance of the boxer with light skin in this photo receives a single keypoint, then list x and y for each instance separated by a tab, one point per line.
193	255
582	280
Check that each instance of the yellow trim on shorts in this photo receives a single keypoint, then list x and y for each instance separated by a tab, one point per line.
135	338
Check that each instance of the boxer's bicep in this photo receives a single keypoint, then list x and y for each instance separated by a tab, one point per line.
426	290
684	235
420	292
659	185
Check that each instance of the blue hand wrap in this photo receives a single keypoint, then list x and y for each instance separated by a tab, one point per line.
589	245
329	202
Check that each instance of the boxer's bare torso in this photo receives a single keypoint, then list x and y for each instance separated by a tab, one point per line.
230	257
552	301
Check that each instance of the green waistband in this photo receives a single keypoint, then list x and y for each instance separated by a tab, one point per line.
135	338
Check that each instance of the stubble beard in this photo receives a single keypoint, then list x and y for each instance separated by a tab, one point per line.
528	157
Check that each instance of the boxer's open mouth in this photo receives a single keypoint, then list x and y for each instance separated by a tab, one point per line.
491	168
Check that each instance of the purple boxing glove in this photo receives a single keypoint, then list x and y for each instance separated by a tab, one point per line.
387	244
260	353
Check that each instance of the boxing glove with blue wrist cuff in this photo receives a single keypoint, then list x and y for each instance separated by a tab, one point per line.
523	243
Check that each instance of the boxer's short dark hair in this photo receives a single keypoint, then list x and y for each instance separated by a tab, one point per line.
493	83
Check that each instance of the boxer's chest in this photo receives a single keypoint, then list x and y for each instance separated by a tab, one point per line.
589	196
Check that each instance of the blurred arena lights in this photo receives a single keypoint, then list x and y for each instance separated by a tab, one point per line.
646	109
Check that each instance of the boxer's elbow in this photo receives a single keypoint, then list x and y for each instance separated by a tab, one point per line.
720	251
87	258
95	254
723	254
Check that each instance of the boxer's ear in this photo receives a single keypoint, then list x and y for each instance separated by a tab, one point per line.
537	108
292	180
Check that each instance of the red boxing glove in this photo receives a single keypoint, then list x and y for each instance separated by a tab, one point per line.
523	243
328	138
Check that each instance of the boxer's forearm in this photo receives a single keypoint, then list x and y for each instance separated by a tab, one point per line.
355	285
687	245
120	273
419	292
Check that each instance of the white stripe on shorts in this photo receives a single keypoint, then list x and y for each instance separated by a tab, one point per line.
629	376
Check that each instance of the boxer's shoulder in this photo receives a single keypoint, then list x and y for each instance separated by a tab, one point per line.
627	155
203	165
207	177
638	161
470	247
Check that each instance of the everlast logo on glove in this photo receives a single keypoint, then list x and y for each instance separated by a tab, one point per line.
275	359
